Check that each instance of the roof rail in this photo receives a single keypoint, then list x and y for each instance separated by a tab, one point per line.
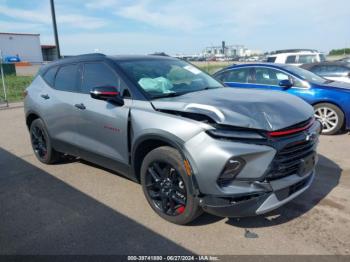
90	54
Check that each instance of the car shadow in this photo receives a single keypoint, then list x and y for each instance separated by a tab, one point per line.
41	214
327	177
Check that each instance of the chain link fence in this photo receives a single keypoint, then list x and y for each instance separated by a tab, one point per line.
3	90
12	86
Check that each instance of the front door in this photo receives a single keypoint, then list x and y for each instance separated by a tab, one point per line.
103	126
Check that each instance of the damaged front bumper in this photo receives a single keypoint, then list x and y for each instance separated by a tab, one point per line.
278	193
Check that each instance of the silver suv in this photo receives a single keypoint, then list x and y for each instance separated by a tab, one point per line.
192	143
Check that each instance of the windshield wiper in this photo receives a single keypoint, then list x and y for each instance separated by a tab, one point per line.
211	87
183	93
328	81
169	95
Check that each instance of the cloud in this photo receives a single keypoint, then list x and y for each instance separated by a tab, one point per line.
42	15
184	25
38	16
101	4
20	27
81	21
163	17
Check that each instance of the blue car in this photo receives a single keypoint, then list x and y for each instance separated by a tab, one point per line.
330	99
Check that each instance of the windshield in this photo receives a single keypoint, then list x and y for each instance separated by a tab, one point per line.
167	77
306	75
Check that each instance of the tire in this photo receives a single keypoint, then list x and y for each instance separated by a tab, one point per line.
168	165
331	117
41	143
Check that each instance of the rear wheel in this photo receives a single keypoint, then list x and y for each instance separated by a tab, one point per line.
164	183
41	143
331	117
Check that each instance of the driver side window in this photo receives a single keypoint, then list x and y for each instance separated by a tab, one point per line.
98	74
269	76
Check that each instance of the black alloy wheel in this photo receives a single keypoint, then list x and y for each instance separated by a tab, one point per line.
166	188
39	142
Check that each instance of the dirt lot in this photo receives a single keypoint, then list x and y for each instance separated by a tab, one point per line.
77	208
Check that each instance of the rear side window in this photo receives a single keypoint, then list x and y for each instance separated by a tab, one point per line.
291	59
236	75
49	76
307	59
271	59
67	78
330	70
97	75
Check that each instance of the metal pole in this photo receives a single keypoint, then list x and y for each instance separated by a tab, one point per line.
3	80
53	14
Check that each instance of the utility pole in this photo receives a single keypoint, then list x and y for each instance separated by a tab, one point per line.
53	15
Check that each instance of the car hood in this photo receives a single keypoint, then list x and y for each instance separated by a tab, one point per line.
257	109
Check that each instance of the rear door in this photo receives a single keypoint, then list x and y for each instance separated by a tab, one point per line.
103	127
236	77
61	115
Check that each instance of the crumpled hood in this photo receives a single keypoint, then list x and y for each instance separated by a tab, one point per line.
258	109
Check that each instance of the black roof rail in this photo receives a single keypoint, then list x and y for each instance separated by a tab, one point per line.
90	55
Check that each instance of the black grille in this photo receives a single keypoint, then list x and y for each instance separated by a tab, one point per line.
289	158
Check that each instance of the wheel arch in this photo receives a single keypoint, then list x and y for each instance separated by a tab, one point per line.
346	123
30	117
146	143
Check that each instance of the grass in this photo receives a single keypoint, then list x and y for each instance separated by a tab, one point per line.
15	85
212	66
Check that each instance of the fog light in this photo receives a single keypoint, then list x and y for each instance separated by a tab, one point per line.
231	170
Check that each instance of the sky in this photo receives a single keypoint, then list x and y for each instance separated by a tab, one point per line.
181	26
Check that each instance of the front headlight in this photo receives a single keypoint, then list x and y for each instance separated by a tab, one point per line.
234	134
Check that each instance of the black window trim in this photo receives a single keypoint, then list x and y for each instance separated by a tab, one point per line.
54	78
120	79
59	68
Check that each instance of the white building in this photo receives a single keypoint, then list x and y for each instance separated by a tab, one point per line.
26	46
223	50
229	51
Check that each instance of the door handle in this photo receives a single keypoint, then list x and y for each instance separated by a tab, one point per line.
45	96
81	106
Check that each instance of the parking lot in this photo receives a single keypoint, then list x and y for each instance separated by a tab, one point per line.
78	208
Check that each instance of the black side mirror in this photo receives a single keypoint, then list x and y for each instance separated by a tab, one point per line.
349	74
107	93
286	83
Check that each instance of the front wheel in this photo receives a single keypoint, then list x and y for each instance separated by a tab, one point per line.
165	184
330	116
41	143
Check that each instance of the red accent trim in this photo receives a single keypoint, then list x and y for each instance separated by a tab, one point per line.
291	131
109	93
180	209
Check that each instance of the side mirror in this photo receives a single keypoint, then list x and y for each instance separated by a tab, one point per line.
286	83
349	74
107	93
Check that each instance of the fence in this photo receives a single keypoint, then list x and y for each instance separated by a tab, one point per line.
3	92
